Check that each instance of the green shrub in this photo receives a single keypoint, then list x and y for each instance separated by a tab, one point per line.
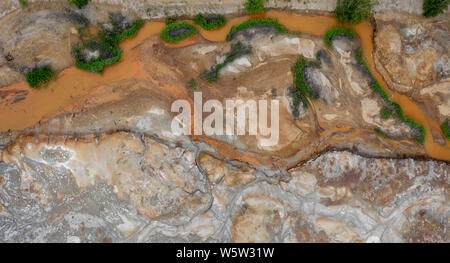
446	129
337	31
380	132
116	36
96	65
353	11
237	50
107	46
39	76
23	3
433	8
78	3
169	20
386	113
254	6
266	22
300	81
166	32
297	97
192	84
209	22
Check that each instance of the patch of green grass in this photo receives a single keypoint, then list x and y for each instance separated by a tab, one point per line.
266	22
446	129
237	50
23	3
398	109
170	28
254	6
353	11
39	76
337	31
116	36
433	8
209	22
192	84
78	3
386	113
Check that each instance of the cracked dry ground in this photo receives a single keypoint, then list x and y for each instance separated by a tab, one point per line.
103	166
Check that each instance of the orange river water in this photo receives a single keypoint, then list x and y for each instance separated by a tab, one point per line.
73	84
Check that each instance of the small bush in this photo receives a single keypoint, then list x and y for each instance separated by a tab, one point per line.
337	31
78	3
190	30
209	22
433	8
380	132
300	81
192	84
106	45
39	76
446	129
266	22
254	6
353	11
116	35
169	20
297	97
23	3
386	113
237	50
96	65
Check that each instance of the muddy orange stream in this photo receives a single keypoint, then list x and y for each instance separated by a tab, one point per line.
72	84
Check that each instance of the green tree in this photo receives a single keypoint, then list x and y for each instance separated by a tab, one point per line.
78	3
353	11
433	8
254	6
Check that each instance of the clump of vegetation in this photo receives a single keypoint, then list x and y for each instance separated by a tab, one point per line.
192	84
433	8
237	50
265	22
95	54
386	113
169	20
353	11
209	22
175	32
301	89
39	76
300	80
254	6
337	31
446	129
78	3
420	135
297	97
23	3
105	55
118	34
381	133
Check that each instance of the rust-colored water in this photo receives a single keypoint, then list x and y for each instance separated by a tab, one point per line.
72	84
